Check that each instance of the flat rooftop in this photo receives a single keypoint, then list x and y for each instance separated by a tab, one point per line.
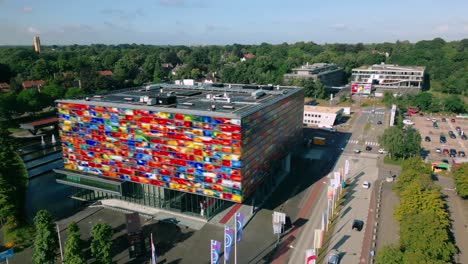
223	100
315	66
389	67
322	109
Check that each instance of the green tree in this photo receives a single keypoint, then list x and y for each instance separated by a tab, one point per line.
31	100
73	247
7	206
401	143
389	255
454	104
53	91
425	238
74	92
101	243
45	243
460	175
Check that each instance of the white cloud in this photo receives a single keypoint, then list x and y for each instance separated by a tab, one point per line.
27	9
33	30
172	2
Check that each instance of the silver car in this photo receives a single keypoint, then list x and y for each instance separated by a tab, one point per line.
333	258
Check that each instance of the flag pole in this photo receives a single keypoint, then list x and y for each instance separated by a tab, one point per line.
235	240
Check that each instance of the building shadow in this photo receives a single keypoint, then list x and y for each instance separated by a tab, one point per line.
341	242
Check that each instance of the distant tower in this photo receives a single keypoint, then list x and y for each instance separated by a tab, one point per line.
37	44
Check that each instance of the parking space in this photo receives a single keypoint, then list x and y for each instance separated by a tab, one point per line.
445	124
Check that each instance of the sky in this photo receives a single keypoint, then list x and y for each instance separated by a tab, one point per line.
221	22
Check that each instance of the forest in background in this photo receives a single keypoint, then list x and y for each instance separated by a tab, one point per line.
132	65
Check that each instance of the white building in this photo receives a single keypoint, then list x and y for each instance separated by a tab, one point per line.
321	116
387	77
328	74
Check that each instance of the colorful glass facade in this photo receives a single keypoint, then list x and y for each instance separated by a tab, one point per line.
207	155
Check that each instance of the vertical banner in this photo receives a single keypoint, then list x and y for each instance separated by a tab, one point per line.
239	225
228	239
323	221
153	251
346	169
215	248
318	238
310	256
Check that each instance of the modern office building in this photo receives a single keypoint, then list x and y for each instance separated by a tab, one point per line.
321	116
385	77
182	148
37	44
328	74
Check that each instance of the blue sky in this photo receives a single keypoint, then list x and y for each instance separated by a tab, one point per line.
201	22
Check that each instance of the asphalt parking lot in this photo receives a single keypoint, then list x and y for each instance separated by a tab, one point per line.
426	128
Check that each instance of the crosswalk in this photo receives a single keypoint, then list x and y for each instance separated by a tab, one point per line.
370	143
376	112
367	143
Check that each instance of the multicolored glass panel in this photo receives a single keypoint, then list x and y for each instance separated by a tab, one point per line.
190	153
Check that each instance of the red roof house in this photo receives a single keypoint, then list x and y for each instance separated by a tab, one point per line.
33	84
105	73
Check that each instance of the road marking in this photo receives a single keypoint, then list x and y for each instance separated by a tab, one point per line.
370	143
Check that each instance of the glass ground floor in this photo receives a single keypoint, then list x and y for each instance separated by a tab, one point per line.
154	196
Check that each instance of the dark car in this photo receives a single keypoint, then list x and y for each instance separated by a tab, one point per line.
451	134
458	129
453	152
379	122
434	125
357	224
443	119
463	137
427	139
368	148
461	153
443	139
445	161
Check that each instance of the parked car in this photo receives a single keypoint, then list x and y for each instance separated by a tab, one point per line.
453	153
445	151
434	125
366	185
368	148
461	153
357	225
408	122
443	139
379	122
443	119
451	134
445	161
427	139
333	258
463	137
428	118
437	150
382	151
458	129
452	120
357	150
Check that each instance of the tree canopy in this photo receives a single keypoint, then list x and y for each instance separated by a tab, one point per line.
401	143
45	243
101	243
460	175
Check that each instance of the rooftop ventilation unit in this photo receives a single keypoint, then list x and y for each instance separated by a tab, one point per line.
188	103
128	99
228	106
257	94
